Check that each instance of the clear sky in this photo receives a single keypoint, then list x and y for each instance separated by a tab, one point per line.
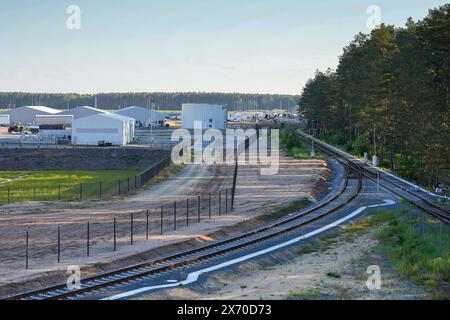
258	46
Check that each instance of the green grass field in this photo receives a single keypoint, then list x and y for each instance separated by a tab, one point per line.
58	185
419	249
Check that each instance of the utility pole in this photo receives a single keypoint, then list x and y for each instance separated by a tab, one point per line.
150	103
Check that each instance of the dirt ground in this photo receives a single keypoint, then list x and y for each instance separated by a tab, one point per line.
255	195
336	269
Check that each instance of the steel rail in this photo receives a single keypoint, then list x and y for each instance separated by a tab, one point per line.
444	217
211	250
427	201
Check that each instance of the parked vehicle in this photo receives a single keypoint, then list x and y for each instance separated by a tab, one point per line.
20	128
16	128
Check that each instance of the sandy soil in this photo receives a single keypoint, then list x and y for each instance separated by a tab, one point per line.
306	276
255	195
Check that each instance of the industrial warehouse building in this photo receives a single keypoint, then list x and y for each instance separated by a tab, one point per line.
54	120
56	125
4	120
103	128
81	112
27	114
211	116
144	117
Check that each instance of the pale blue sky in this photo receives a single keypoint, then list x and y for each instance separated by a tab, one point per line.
266	46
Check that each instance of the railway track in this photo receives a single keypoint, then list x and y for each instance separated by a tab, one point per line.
417	195
413	197
279	228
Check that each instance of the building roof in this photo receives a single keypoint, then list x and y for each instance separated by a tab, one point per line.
81	108
203	105
137	108
41	109
108	115
116	116
131	108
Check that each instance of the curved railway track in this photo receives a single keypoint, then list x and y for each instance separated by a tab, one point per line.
272	230
430	207
417	195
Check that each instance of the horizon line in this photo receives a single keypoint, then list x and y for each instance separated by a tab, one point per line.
151	92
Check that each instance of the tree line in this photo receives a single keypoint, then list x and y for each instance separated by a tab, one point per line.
159	100
389	96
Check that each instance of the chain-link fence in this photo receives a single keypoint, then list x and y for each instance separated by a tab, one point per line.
79	240
82	191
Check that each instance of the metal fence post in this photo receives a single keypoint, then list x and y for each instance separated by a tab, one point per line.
198	209
146	226
162	217
226	200
209	205
128	184
187	212
59	245
26	252
81	191
220	202
131	229
9	195
115	247
100	190
34	193
175	216
119	187
59	192
233	190
87	240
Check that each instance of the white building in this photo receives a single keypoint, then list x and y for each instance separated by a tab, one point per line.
81	112
103	127
143	116
54	126
54	120
27	114
4	120
210	115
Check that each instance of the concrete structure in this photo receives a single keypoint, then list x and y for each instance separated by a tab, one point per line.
27	115
81	112
210	115
143	116
103	127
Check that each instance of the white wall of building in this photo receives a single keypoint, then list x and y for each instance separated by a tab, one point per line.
210	115
55	134
4	119
54	119
108	127
143	116
26	115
